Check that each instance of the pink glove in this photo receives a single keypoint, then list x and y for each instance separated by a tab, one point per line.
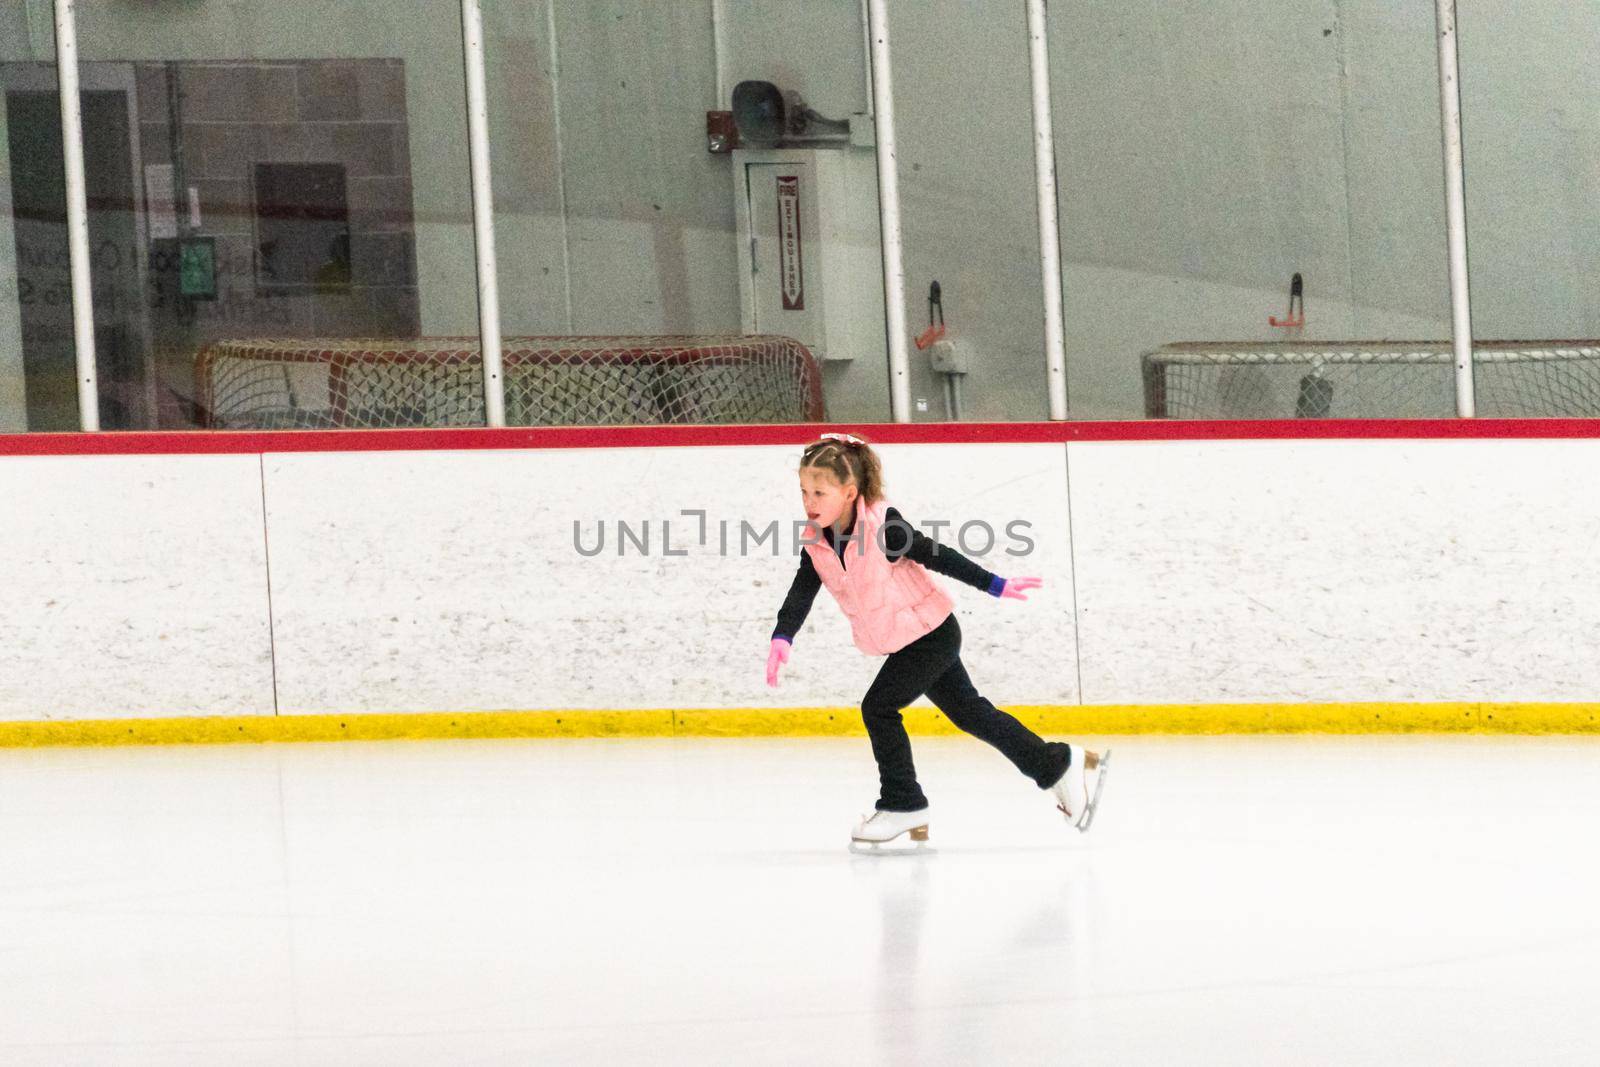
1014	587
777	657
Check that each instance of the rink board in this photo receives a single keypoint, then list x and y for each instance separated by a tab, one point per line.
1197	578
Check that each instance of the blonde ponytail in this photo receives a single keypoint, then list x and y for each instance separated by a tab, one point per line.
848	459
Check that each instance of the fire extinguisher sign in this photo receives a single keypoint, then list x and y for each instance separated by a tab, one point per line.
791	275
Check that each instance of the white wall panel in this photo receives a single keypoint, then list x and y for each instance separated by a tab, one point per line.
448	581
1337	570
133	586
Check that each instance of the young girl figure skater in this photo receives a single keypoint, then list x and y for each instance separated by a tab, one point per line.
876	566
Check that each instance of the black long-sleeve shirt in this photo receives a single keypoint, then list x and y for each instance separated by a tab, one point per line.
922	549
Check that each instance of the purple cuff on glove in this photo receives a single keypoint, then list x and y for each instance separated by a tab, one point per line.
997	585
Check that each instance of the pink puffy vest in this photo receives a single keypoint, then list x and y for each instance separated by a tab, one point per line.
889	603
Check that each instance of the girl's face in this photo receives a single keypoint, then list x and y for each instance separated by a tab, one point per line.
826	502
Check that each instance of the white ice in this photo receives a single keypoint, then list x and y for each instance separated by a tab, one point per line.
1240	901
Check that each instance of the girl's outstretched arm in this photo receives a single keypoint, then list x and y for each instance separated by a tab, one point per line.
946	560
802	591
797	605
937	557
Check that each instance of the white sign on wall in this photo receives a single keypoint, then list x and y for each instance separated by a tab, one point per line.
160	202
791	263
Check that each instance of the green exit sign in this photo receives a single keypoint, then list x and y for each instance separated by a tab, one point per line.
197	268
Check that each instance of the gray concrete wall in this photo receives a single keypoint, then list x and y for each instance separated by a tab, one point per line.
1531	113
644	244
612	218
963	111
1205	155
1209	153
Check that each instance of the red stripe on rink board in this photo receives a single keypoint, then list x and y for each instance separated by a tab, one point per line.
208	442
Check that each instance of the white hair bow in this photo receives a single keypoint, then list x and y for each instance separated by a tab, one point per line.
846	438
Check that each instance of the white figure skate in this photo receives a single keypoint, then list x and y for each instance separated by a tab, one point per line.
1073	796
881	831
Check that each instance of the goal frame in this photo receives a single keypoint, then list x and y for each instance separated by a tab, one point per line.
1315	354
340	355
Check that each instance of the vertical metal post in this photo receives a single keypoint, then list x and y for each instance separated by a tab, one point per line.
494	392
1455	221
719	51
894	272
866	51
1044	165
561	163
77	214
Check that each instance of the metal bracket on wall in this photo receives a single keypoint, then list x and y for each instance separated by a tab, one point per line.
935	329
1297	306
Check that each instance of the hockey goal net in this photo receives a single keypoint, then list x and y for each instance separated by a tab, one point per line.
549	381
1368	379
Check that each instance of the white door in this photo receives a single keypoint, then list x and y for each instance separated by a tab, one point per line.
785	257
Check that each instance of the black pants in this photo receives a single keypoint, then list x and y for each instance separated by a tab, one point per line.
932	664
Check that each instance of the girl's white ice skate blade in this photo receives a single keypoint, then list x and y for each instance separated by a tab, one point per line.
1074	798
891	831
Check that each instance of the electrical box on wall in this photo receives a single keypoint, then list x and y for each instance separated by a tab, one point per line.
810	263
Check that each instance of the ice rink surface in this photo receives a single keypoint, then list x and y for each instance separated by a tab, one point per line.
1241	901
